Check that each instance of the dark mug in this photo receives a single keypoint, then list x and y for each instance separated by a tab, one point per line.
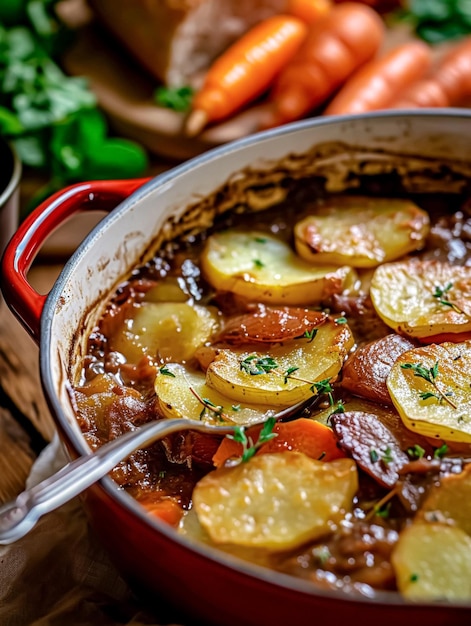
10	175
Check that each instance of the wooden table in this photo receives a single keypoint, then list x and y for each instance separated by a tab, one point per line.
25	422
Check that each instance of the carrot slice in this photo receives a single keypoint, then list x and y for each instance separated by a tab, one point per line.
302	435
167	509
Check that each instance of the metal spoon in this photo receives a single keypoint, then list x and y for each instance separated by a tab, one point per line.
18	517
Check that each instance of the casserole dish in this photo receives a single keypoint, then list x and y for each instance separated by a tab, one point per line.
426	149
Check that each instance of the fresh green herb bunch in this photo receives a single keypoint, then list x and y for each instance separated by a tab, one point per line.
51	118
439	20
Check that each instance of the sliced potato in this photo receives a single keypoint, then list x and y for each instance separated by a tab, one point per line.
450	501
433	561
361	231
171	289
168	331
173	389
262	267
309	360
442	408
403	296
275	501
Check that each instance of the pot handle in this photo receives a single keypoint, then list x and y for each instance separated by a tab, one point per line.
100	195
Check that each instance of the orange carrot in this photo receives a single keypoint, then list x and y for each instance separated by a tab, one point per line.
246	69
308	11
167	509
302	435
337	44
447	85
378	83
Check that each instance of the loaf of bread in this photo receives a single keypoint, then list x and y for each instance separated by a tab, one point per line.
176	40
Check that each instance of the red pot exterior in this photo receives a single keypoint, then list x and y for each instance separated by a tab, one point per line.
216	595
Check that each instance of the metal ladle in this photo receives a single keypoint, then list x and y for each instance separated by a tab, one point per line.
18	517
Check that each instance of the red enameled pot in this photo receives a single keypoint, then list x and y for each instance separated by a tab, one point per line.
214	588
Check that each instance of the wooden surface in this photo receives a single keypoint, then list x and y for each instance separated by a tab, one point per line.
26	425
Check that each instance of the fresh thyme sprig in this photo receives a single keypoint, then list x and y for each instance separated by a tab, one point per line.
430	375
249	446
440	294
255	366
209	407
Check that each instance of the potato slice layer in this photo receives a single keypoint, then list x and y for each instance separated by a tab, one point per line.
275	501
240	375
261	267
433	561
406	295
450	501
439	407
173	386
361	232
168	331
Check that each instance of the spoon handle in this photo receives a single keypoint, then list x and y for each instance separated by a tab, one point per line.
17	518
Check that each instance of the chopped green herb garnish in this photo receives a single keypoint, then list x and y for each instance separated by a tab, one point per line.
416	451
440	295
374	456
236	407
383	511
321	554
440	452
387	456
249	447
166	372
258	263
430	375
308	334
255	366
290	371
341	320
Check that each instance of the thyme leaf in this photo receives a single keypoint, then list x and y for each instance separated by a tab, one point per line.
250	447
255	366
440	294
166	372
430	375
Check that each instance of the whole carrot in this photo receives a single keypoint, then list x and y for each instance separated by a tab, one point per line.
246	69
448	84
337	44
308	10
378	83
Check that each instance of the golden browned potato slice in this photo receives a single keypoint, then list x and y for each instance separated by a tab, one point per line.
262	267
261	377
174	385
430	388
361	232
423	298
168	331
450	502
275	501
433	561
